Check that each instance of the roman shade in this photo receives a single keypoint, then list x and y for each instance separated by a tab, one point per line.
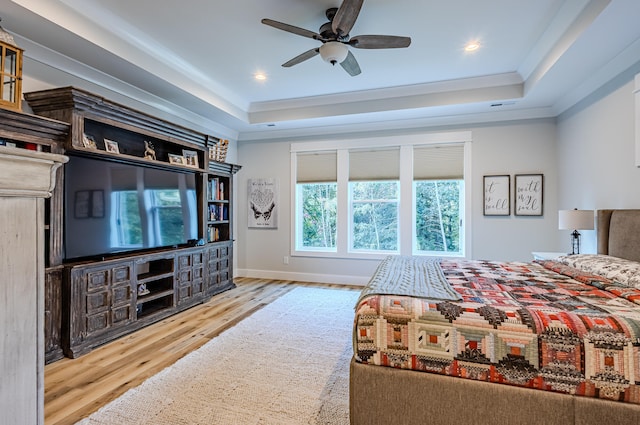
441	162
317	167
378	164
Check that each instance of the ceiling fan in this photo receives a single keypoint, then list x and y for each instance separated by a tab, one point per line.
335	38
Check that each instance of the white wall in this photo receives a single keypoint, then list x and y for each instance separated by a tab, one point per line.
515	148
260	252
508	148
596	150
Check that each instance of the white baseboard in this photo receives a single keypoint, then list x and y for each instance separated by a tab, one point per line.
303	277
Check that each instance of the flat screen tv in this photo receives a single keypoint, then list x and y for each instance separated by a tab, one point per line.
114	207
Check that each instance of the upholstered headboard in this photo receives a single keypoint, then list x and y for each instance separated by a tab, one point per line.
619	233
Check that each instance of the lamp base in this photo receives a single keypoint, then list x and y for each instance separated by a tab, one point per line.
575	242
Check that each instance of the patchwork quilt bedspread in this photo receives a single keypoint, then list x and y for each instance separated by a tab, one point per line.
542	325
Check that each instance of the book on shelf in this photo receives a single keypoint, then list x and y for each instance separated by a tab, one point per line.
216	189
213	234
218	212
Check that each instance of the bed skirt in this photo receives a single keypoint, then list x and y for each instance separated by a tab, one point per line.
383	395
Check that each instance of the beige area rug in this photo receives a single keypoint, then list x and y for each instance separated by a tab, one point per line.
288	363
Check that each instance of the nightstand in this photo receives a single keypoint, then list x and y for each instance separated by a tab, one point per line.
547	255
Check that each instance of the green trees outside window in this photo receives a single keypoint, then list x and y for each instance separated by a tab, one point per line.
364	201
319	215
374	218
374	215
437	225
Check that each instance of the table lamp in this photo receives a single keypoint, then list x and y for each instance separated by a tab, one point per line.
575	220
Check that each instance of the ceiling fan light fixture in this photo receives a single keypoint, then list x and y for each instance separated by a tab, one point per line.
472	46
334	52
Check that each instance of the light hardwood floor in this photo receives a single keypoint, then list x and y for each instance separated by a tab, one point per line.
75	388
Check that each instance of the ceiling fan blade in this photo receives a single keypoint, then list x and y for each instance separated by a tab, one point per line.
379	42
292	29
302	57
350	64
346	16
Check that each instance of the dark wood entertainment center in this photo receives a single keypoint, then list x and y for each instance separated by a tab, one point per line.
92	301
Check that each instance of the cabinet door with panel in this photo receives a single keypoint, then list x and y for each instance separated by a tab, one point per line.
219	267
100	301
190	278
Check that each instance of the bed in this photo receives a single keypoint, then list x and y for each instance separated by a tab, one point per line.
546	342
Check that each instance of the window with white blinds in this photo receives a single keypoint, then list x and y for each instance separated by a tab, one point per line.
316	167
379	164
442	162
358	198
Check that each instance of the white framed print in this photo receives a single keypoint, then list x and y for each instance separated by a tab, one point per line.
529	190
496	197
263	203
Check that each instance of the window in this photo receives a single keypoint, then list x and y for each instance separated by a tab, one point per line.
371	198
319	215
438	199
374	199
316	195
437	224
374	215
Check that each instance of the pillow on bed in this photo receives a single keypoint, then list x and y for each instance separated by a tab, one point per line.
624	272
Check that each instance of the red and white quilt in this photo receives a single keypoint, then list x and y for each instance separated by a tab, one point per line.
542	325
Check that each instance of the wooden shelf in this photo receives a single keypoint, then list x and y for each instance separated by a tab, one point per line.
131	159
219	202
156	306
150	277
153	296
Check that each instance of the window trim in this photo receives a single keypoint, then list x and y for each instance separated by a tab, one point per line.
406	216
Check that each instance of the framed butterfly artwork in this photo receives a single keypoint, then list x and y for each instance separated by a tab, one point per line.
263	203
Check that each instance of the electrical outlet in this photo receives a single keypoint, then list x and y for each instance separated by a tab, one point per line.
285	260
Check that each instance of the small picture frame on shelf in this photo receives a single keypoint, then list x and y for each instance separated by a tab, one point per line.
89	142
176	159
111	146
190	158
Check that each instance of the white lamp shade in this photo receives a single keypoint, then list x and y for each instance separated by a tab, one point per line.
333	52
575	220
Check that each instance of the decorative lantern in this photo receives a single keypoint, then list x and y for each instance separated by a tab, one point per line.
10	72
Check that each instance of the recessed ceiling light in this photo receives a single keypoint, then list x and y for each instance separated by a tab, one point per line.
472	46
259	76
